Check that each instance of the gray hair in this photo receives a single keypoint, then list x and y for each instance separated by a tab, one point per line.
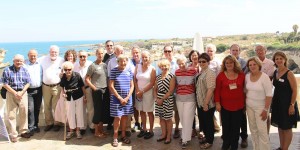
54	47
135	47
181	58
118	47
212	46
18	56
122	57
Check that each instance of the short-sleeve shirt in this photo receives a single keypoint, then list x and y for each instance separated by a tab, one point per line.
73	86
98	74
16	79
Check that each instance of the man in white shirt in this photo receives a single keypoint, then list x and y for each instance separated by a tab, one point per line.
35	95
88	108
267	67
51	65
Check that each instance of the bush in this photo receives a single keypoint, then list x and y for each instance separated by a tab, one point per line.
222	47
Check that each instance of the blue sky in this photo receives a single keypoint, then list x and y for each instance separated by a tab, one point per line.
64	20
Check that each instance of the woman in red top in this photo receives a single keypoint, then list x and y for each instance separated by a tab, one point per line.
230	100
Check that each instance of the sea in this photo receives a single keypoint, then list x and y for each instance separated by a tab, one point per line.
43	48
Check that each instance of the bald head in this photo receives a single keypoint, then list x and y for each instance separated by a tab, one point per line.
32	55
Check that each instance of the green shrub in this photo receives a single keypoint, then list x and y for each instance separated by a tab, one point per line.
222	47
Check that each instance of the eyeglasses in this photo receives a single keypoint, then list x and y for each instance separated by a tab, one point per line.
67	70
82	56
109	45
203	62
167	51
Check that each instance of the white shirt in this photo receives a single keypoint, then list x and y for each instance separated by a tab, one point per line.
215	65
268	67
256	92
82	70
35	72
51	69
114	63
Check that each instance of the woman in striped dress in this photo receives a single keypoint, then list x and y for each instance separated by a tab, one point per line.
164	103
121	88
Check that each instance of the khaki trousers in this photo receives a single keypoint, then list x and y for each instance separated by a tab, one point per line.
88	110
12	107
51	96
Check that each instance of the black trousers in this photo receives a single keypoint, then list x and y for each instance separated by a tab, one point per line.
101	106
207	123
35	97
244	134
231	123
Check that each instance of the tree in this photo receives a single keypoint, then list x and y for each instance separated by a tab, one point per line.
295	28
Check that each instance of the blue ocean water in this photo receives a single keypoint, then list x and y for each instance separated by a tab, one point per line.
43	48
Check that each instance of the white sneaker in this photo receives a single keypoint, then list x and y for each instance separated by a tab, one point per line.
70	135
78	135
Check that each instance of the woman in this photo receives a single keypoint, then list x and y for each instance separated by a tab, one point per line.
258	100
185	98
230	100
284	107
74	92
206	83
144	81
163	92
121	88
96	79
194	58
70	56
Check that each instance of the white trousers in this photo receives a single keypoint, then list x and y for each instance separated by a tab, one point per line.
88	110
186	111
75	113
258	128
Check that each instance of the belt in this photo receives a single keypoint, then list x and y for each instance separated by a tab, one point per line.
51	85
34	88
71	90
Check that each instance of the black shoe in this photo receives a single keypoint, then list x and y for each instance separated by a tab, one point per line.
37	130
31	132
149	135
25	135
141	134
92	130
56	128
109	127
82	131
48	128
244	143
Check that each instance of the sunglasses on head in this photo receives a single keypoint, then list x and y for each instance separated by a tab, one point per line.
67	69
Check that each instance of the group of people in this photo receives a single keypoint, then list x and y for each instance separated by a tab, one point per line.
114	88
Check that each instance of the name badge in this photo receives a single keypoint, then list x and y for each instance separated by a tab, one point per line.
232	86
281	80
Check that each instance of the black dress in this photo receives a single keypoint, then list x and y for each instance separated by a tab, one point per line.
281	103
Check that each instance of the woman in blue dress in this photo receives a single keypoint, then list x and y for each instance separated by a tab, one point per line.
121	88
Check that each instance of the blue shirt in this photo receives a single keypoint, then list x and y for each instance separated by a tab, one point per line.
16	79
36	73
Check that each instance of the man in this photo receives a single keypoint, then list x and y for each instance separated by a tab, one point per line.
235	51
168	54
107	57
16	80
109	51
135	52
267	67
51	66
88	108
34	91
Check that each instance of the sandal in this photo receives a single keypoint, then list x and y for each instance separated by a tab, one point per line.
125	140
161	139
205	146
202	140
115	143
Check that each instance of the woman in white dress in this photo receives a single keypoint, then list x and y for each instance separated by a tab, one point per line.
144	80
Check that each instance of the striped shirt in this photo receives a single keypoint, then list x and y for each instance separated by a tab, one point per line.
16	79
185	85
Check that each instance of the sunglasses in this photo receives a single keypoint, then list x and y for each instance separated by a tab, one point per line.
203	62
67	70
167	51
109	45
82	56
